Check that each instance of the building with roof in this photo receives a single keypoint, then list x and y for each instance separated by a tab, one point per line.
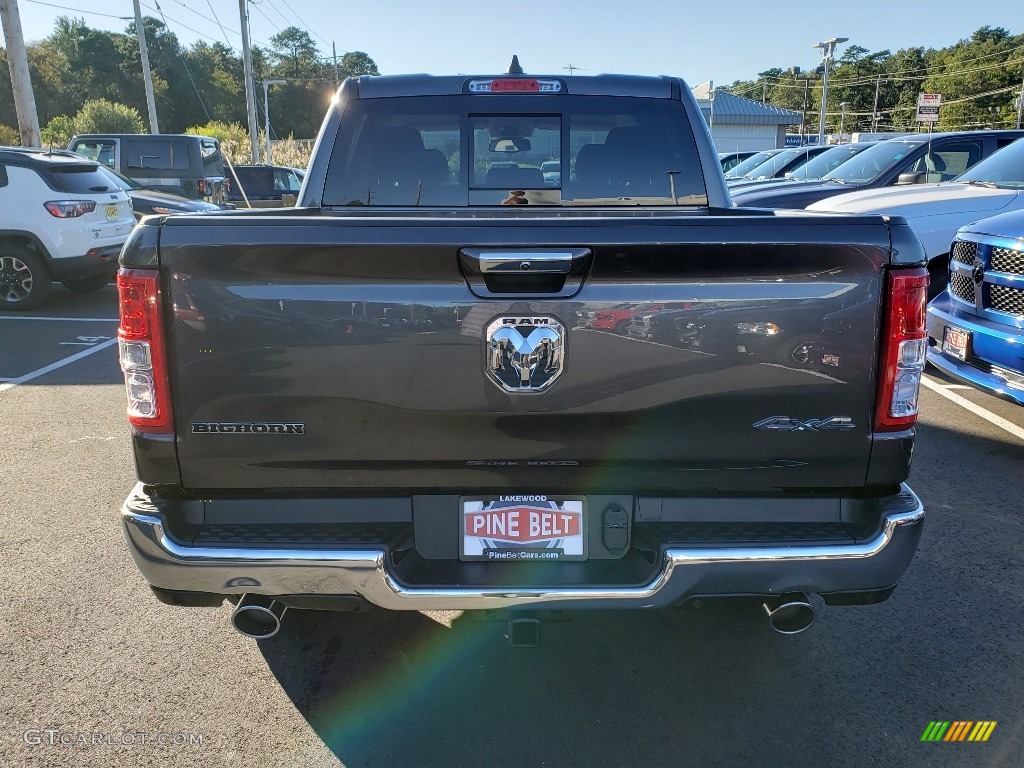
739	124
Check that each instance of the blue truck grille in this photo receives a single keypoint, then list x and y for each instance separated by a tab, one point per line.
965	252
961	286
1007	260
1004	299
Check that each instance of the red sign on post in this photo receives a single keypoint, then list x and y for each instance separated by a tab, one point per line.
928	107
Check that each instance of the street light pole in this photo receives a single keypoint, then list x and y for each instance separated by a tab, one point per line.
827	47
711	98
266	109
842	119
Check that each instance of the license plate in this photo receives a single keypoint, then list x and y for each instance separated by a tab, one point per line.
955	341
523	527
111	212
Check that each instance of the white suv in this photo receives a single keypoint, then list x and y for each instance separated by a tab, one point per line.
61	218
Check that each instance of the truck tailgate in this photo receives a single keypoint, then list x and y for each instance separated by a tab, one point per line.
350	352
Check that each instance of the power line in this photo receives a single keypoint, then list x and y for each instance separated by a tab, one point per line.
222	30
304	24
183	63
287	22
79	10
900	75
159	10
261	13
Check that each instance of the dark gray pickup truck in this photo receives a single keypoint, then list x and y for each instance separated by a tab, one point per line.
389	395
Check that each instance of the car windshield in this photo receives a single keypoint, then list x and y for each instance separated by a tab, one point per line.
774	164
872	162
827	161
1004	168
751	162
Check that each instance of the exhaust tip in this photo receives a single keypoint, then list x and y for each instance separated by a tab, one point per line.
789	615
257	616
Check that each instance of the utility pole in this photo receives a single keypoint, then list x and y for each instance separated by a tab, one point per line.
803	118
874	110
147	73
1020	102
250	95
21	80
334	51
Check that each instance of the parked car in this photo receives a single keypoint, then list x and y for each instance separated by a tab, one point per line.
827	161
740	169
936	211
665	323
730	160
146	202
976	327
789	335
778	165
61	218
617	318
910	160
551	170
181	164
263	182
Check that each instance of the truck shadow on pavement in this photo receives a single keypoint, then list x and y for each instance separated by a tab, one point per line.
613	688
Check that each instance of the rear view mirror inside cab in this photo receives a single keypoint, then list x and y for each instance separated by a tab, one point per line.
514	144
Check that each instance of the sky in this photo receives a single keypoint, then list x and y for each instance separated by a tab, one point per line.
719	40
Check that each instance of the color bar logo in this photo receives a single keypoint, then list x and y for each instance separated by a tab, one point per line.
958	730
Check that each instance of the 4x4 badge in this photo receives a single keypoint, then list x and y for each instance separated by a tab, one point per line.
786	424
525	354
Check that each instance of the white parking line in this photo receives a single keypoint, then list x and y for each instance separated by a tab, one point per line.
11	383
62	319
977	410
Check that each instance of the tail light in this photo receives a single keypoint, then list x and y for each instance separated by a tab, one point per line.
903	350
142	352
70	209
202	187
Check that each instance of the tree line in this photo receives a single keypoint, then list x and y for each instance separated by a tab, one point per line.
979	80
77	65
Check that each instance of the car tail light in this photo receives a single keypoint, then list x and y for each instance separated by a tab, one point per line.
70	209
202	187
142	352
903	350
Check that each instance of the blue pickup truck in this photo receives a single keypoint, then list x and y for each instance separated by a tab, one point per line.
976	328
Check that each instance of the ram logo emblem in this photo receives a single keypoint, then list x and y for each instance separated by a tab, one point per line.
525	354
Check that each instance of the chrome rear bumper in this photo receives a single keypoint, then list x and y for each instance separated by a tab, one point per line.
874	564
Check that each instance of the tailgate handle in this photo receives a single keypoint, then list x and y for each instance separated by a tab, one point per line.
531	272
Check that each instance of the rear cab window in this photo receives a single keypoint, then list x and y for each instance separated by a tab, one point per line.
457	151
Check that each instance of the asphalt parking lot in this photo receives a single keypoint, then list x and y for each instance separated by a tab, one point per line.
98	673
